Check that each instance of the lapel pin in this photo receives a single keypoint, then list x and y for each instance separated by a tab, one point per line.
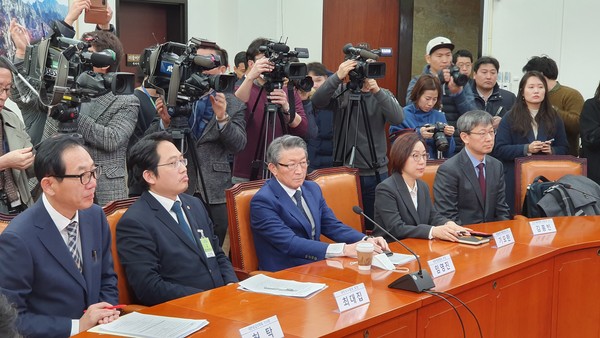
188	207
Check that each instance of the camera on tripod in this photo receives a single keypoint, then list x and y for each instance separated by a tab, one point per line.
285	65
459	78
441	143
61	70
365	69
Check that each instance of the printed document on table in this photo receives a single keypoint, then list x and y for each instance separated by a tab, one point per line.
141	325
281	287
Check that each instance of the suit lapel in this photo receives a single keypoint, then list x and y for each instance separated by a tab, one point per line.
313	206
290	206
405	196
86	235
189	213
51	239
469	171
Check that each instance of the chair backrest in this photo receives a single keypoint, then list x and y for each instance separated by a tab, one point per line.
243	253
429	174
114	210
552	167
341	191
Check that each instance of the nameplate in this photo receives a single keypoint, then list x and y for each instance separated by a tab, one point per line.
441	266
269	327
351	297
542	226
503	238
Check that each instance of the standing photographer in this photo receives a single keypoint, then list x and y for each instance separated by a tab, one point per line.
456	99
380	106
252	91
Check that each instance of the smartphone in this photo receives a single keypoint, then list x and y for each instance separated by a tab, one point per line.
98	12
473	240
481	234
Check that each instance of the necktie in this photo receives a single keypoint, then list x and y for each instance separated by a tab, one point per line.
181	220
480	167
298	198
72	230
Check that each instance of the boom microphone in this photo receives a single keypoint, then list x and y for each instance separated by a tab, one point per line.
348	49
415	282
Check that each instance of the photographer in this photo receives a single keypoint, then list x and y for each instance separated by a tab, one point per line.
253	93
456	99
424	117
106	123
381	107
218	129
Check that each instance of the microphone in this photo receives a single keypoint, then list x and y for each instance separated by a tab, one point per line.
366	54
415	282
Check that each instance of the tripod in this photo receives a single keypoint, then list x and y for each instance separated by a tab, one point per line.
345	153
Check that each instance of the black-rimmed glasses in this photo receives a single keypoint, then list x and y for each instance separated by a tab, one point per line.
294	166
84	177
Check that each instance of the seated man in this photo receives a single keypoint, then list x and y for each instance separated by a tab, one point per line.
55	258
287	234
165	239
469	187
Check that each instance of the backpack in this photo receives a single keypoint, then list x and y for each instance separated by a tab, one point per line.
539	188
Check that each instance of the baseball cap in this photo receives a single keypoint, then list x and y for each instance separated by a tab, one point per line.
437	43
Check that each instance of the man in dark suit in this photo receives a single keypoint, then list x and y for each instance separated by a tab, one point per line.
55	258
165	239
287	235
469	187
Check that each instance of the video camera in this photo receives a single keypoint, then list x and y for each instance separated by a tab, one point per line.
175	68
60	69
285	65
441	143
365	69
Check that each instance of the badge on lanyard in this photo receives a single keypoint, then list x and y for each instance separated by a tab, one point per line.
206	246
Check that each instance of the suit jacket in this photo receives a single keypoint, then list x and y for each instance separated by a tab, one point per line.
38	274
395	210
510	145
282	234
106	123
17	138
160	260
458	195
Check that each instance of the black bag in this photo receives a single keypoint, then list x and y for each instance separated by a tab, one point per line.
538	189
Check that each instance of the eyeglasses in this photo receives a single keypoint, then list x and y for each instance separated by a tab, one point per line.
84	177
482	134
176	164
418	157
464	65
294	166
5	90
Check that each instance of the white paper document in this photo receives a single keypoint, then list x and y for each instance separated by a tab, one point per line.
141	325
281	287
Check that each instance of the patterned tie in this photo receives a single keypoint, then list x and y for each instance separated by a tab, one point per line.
72	230
480	168
7	181
181	220
298	198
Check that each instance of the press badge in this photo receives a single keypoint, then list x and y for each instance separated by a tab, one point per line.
206	246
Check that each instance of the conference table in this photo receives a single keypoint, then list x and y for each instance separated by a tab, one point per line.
540	286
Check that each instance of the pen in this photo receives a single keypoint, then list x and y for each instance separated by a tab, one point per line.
113	307
279	289
499	110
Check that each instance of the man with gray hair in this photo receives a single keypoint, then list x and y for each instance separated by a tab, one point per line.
288	214
469	187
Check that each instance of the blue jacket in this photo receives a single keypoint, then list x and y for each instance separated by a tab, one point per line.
415	118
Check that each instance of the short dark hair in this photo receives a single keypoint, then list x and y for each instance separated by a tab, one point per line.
253	51
224	56
462	53
240	58
486	60
102	40
318	68
8	318
143	156
544	65
426	82
49	155
402	149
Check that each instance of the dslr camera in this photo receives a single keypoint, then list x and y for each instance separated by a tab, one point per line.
285	65
365	68
441	142
459	78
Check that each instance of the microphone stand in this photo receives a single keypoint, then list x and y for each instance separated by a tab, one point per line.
415	282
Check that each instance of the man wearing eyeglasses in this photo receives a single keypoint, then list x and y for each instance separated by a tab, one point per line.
165	239
469	187
55	257
288	214
16	156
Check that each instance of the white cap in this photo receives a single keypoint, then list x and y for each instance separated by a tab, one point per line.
437	43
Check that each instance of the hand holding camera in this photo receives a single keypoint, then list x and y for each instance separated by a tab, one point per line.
345	68
438	132
454	78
